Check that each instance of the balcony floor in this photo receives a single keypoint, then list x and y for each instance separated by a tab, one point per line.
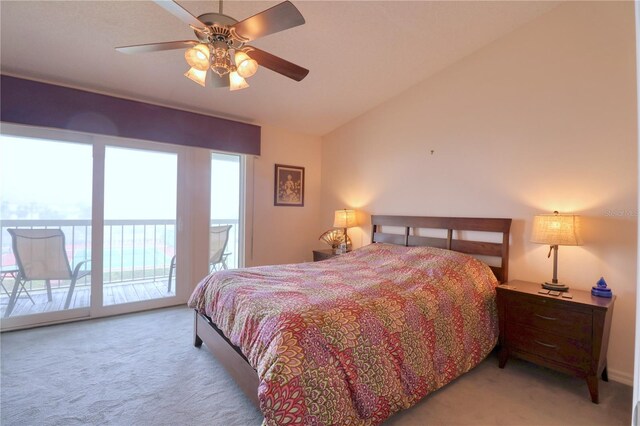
116	293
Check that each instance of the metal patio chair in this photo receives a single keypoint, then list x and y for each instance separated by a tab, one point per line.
218	239
40	255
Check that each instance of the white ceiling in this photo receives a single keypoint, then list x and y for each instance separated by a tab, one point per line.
359	53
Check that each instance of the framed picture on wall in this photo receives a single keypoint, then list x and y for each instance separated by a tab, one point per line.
289	186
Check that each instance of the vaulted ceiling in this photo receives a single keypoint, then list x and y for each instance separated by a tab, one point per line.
359	53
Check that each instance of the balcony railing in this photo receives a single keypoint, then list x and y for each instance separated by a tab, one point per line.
134	250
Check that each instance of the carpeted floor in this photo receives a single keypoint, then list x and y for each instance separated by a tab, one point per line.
110	371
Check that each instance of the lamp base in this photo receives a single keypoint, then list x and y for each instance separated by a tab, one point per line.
555	286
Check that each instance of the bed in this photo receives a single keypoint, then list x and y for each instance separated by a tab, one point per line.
356	338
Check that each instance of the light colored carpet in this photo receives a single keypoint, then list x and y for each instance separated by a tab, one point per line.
111	371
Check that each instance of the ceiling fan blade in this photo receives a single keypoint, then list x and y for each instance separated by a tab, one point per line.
180	12
278	18
276	64
157	47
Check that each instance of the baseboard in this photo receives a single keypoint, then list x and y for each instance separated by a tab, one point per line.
620	377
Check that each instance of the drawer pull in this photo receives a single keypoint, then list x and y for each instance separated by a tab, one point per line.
546	318
546	345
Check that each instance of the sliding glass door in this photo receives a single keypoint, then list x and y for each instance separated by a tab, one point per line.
45	226
140	188
226	226
129	218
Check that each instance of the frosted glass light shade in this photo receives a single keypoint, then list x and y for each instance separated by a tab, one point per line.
196	75
344	219
236	82
245	65
556	229
198	57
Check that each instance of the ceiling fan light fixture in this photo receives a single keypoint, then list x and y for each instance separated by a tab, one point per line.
246	66
198	57
199	76
221	66
236	82
221	44
221	63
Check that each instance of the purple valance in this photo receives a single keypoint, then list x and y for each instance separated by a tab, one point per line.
47	105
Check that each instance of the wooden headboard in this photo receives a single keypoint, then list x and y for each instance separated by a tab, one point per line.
450	224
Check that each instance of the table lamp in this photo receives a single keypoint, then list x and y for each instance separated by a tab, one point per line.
345	219
556	230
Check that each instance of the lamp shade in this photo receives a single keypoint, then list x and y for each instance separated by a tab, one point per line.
196	75
198	57
556	229
246	66
344	219
236	82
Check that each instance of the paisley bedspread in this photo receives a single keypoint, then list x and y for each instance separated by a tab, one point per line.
355	338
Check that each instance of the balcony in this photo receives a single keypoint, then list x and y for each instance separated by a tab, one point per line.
136	260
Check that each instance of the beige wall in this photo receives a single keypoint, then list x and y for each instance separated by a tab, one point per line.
543	119
283	234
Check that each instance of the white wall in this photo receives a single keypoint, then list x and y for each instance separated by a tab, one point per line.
283	234
543	119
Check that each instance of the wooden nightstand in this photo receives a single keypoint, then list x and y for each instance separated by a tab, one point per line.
323	255
568	335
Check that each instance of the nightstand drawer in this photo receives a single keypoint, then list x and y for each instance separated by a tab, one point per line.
550	317
550	346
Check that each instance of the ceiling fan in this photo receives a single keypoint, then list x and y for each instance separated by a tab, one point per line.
221	50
